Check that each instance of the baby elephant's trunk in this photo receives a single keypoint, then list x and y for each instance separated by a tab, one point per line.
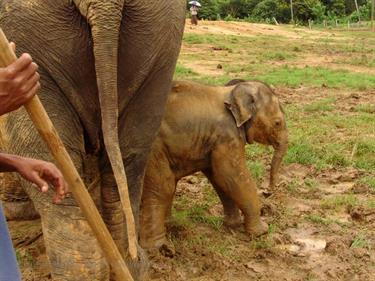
280	151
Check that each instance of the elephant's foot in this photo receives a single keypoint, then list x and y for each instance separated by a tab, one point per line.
20	210
138	267
160	245
233	222
256	229
167	249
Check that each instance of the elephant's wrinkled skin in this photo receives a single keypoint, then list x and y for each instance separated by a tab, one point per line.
81	47
205	129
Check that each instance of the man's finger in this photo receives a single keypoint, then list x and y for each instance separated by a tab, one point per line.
42	184
28	74
30	83
20	64
13	46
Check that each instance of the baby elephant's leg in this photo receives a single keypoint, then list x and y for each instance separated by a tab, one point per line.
232	217
231	175
158	191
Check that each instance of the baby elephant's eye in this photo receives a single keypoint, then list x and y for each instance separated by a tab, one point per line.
277	123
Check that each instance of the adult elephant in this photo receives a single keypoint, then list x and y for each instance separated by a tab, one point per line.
82	47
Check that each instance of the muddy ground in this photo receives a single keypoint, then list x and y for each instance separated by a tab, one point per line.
322	220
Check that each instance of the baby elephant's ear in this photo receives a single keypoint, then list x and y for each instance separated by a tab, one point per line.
241	103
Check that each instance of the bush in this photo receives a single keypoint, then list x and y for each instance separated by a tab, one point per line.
209	10
267	9
238	8
319	12
365	10
336	7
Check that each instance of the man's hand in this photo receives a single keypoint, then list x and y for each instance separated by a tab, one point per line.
19	82
41	173
36	171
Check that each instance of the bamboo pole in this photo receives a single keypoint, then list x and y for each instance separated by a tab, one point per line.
49	134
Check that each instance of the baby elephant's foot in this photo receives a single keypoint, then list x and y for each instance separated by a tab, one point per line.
167	249
161	246
233	222
257	229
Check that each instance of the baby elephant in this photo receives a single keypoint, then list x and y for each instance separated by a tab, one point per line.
205	128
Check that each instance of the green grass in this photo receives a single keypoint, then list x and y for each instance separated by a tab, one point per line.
292	186
371	204
198	214
317	219
182	72
256	150
326	104
313	138
311	183
365	155
338	201
360	241
303	153
195	214
368	181
317	76
275	56
257	169
367	108
362	60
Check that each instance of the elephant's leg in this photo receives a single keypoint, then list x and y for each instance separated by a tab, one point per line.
73	251
139	123
158	191
111	205
232	217
71	247
16	203
231	175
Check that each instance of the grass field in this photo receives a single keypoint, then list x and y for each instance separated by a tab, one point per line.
322	215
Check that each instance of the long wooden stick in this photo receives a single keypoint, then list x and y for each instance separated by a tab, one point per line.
47	131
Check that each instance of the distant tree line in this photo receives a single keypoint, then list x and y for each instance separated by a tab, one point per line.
266	10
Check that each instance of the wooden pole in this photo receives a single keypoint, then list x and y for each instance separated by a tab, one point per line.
372	14
48	133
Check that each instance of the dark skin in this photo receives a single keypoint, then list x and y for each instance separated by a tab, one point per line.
39	172
19	82
205	129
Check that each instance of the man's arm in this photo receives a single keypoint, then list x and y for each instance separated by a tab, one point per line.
36	171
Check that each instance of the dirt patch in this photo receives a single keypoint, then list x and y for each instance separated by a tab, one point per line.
249	29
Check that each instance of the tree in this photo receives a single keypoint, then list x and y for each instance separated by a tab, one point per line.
267	9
